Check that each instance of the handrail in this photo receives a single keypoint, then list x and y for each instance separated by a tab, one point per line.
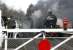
37	30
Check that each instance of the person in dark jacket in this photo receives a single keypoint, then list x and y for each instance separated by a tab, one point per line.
51	20
11	24
5	20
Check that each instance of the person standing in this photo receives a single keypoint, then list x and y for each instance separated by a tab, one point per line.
51	20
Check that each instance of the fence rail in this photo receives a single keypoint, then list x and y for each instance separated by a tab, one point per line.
38	30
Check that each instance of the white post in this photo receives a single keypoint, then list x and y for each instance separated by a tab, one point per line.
6	42
0	20
44	34
15	35
1	40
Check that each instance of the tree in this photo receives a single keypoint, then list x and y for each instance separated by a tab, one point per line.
30	10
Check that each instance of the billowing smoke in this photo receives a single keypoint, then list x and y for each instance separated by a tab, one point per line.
35	18
39	15
55	6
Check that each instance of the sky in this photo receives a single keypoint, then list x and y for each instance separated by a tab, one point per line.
19	4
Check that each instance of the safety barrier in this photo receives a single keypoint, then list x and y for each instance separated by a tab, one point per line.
69	31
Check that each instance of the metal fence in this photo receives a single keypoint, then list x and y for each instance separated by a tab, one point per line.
13	43
28	43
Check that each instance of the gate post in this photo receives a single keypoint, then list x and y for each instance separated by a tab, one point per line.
5	42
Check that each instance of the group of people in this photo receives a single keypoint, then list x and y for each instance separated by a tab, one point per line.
9	23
